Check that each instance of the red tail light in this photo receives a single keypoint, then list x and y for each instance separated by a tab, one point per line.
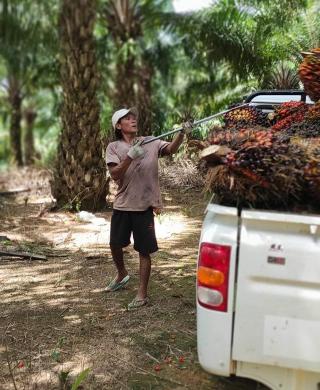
213	276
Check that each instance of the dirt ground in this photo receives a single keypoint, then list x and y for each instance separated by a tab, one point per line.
55	319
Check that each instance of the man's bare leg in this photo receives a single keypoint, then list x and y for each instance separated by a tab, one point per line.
117	256
145	269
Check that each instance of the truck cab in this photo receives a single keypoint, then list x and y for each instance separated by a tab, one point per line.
258	289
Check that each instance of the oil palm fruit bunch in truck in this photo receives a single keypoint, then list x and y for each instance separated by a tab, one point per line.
309	72
267	166
258	275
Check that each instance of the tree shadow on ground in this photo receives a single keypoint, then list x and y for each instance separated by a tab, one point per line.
55	316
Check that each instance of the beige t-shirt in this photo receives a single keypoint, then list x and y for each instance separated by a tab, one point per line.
139	188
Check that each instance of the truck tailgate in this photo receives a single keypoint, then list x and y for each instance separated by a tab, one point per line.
277	309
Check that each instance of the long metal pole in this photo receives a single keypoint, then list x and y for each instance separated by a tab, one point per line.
207	119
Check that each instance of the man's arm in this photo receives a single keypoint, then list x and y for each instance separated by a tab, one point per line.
117	171
174	145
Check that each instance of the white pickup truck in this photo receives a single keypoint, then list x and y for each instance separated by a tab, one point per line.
259	317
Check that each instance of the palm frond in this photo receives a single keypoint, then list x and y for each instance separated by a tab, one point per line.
284	76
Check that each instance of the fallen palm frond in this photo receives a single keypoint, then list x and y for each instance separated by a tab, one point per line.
182	173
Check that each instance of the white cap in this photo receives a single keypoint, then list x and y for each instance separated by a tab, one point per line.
121	113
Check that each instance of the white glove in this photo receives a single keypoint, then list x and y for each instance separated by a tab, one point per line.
136	151
187	127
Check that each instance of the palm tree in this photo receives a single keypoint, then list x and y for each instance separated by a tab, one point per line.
135	28
22	38
11	47
80	177
284	76
15	101
304	33
30	115
239	32
284	46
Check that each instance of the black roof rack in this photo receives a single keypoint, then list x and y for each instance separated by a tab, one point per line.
288	92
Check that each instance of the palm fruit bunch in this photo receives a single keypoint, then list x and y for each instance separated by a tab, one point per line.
288	108
310	126
245	117
270	167
309	73
259	138
312	175
277	169
220	136
259	160
287	114
257	135
241	186
307	129
313	112
232	188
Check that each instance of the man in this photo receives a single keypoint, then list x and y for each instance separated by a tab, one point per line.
134	167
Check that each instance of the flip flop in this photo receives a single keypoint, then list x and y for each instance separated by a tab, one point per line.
114	285
136	303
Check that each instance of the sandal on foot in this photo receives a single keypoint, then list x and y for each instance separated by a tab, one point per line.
114	285
136	303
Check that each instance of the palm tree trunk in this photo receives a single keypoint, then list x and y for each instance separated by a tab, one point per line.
80	177
28	141
132	77
144	98
124	94
15	101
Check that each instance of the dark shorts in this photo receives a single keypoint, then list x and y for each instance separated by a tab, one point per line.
140	224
